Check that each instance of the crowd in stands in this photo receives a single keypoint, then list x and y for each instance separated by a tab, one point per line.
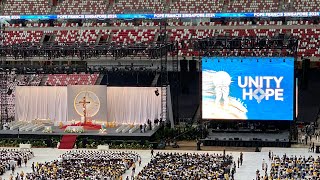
13	80
82	164
71	79
29	80
188	166
10	159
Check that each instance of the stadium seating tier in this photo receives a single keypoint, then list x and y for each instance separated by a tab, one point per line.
308	38
82	7
26	7
138	6
194	6
72	79
74	7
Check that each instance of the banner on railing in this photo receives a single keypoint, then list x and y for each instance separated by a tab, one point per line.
161	16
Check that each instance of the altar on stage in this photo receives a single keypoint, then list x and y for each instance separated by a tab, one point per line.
107	129
87	125
85	110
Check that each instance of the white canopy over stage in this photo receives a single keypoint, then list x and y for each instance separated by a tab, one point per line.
123	105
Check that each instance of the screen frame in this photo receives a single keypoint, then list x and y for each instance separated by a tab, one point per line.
294	98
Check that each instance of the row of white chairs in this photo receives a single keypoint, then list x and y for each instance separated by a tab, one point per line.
17	124
25	126
127	128
136	127
119	129
38	127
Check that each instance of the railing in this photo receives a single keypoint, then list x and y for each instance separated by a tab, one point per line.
163	16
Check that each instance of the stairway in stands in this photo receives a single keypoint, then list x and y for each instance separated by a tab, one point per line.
44	80
99	79
67	141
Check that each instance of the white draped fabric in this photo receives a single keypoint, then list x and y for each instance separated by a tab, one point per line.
125	105
42	102
133	105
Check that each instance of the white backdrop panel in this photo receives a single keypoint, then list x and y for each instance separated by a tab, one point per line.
99	90
43	102
133	104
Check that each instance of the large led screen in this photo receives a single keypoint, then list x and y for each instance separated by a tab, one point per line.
248	88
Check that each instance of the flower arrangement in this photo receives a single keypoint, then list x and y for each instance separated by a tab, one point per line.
111	124
47	129
103	131
74	130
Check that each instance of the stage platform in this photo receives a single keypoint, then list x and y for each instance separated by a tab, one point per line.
111	133
246	139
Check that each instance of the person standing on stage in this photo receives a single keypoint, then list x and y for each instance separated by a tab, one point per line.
145	127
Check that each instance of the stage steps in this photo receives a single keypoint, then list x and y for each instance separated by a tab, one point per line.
67	141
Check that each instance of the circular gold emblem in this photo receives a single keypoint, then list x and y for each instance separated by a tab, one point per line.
87	103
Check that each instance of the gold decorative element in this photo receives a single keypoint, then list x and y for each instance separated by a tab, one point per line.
86	104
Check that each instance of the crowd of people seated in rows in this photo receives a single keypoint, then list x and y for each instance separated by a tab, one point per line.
188	166
295	167
290	168
12	158
85	165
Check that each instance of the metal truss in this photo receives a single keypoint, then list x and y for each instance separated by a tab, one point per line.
45	52
247	46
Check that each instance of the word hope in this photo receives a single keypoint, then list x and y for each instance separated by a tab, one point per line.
259	87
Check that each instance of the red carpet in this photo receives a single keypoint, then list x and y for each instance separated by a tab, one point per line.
87	126
67	141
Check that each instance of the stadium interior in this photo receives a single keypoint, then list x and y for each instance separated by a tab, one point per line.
150	89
